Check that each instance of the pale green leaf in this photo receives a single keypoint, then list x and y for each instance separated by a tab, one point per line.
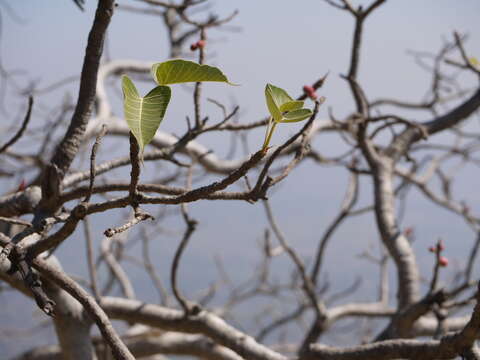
144	114
291	105
182	71
279	96
283	109
271	105
474	61
296	115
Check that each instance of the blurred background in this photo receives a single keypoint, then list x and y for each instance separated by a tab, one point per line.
288	44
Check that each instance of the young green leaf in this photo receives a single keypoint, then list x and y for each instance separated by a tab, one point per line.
296	115
181	71
276	97
144	114
283	109
291	105
272	106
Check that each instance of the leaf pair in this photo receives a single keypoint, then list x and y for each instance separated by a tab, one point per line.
144	114
283	109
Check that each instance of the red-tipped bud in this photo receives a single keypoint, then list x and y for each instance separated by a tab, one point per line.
307	89
443	261
201	44
432	249
310	92
22	185
193	47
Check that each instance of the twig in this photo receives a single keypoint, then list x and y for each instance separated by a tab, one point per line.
80	4
308	285
22	264
463	53
19	133
139	214
150	268
52	241
200	192
191	225
301	152
135	172
98	139
92	271
187	306
116	269
15	221
198	85
348	203
471	259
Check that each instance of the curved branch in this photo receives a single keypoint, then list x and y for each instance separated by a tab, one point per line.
402	142
119	349
203	322
19	133
143	345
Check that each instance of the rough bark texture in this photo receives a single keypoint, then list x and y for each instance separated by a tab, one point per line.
68	147
383	147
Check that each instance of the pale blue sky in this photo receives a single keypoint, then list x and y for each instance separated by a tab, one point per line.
277	43
289	44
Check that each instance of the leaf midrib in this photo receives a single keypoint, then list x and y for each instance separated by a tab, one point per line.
140	122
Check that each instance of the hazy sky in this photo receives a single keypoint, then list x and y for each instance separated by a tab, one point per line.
288	44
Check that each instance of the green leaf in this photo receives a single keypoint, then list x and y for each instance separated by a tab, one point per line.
271	105
144	115
291	105
474	61
283	109
296	115
182	71
278	97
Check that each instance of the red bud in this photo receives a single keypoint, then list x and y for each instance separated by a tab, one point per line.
443	261
307	89
193	47
432	249
201	44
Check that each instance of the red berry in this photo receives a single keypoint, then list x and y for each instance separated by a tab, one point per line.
201	44
193	47
443	261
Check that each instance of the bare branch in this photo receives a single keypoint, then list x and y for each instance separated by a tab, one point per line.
100	135
20	132
118	348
